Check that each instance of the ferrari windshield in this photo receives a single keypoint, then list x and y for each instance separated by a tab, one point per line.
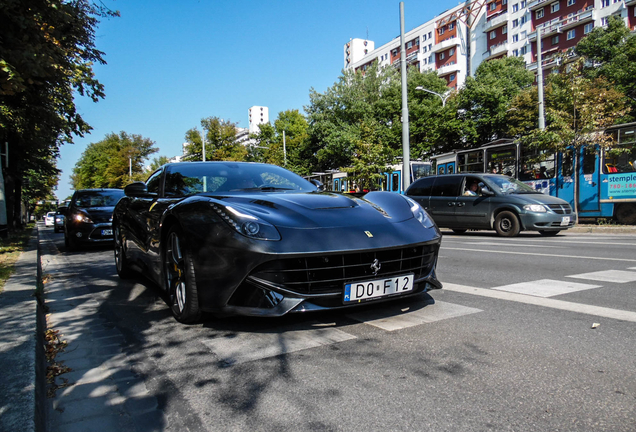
196	177
508	185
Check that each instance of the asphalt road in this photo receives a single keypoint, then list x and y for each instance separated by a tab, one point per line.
507	345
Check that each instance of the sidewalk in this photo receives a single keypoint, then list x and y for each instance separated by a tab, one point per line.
21	397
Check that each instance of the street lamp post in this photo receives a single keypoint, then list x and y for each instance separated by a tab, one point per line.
443	97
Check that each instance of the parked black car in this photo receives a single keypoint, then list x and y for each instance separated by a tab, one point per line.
256	239
89	216
495	202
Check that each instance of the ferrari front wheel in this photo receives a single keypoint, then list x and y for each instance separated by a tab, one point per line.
179	278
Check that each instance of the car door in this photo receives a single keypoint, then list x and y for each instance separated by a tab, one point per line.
443	200
473	212
420	191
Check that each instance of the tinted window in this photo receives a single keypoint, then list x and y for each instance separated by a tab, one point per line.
422	187
153	182
446	186
97	198
589	163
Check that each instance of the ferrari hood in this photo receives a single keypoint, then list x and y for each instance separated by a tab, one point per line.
320	210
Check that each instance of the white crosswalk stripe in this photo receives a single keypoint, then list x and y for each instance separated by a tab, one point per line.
546	287
616	276
396	317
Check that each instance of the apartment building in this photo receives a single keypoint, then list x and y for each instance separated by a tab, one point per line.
457	41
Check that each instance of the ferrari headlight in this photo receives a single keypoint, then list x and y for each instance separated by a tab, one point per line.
535	208
245	223
420	214
81	217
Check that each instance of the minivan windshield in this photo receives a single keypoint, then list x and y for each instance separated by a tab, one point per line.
508	185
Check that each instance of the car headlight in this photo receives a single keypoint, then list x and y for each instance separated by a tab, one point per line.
245	223
81	217
535	208
420	214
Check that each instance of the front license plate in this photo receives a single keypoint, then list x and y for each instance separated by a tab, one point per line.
371	289
565	220
107	233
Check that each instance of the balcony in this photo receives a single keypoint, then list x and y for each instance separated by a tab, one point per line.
496	50
537	4
559	25
446	44
447	68
498	21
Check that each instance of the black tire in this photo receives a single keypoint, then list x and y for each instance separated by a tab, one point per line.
549	233
507	224
460	231
121	261
625	214
70	242
179	278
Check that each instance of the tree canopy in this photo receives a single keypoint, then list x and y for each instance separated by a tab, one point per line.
220	141
107	163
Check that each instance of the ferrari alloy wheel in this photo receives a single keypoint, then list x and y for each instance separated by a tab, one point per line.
179	278
121	261
507	224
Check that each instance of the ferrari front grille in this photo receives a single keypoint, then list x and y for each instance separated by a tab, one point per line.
328	273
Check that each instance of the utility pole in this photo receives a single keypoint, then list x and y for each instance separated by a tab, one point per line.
540	80
406	151
284	150
203	140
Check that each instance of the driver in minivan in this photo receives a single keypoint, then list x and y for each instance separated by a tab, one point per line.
472	189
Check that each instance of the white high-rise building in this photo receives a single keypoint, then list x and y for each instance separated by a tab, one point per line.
257	116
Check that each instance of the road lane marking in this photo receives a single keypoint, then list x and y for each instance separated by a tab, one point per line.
514	245
398	317
546	287
245	347
616	276
599	311
540	254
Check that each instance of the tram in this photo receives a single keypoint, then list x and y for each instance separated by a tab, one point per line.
606	179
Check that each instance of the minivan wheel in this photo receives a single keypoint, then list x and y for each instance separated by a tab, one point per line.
507	224
459	231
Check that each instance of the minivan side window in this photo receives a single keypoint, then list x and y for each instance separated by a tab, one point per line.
422	187
447	186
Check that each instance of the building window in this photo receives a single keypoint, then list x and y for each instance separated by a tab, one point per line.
504	2
515	23
554	7
515	52
451	26
571	34
555	40
515	7
441	30
492	6
409	45
451	78
605	3
430	35
425	49
504	30
571	2
588	28
604	21
442	56
523	4
493	34
539	13
515	38
524	34
523	50
523	19
451	52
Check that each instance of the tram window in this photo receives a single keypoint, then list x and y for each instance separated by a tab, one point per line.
620	160
566	164
471	162
502	161
395	182
451	169
536	165
589	163
447	186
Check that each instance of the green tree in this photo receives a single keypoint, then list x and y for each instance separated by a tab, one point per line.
370	159
156	163
486	98
47	53
107	163
611	53
220	141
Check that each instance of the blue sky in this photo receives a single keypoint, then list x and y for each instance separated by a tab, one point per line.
172	63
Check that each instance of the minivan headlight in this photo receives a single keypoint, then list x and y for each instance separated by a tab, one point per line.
535	208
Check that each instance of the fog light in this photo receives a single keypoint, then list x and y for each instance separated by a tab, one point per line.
79	235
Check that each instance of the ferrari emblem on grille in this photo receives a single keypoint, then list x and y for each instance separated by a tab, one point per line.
376	267
368	233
